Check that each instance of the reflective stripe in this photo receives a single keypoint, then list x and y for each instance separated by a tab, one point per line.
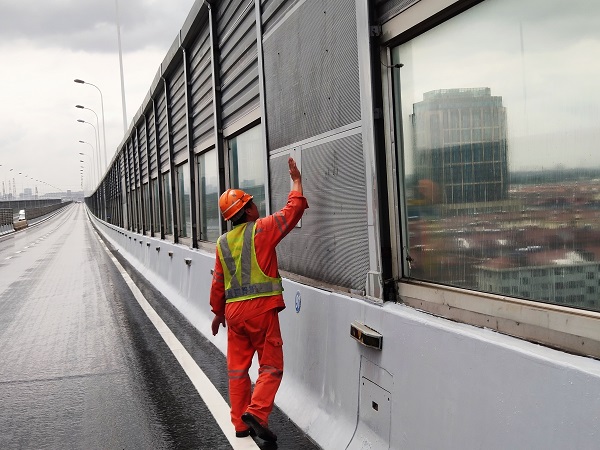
273	371
262	288
247	256
238	374
281	222
229	261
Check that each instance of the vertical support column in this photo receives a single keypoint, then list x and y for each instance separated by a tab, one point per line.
263	107
171	163
374	284
190	145
216	91
139	169
150	191
159	175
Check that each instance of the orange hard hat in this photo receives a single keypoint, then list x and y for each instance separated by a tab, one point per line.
232	201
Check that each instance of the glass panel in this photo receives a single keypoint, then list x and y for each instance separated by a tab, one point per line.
139	208
512	205
208	196
246	159
168	203
156	205
183	199
146	206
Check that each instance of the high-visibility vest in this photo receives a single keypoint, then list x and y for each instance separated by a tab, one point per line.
243	277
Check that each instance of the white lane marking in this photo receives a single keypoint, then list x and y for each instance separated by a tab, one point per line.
9	257
19	251
209	393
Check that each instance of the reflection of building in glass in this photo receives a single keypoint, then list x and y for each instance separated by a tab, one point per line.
460	144
565	277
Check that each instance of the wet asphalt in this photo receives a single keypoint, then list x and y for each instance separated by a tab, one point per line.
82	366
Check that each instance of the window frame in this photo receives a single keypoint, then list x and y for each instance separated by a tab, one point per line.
264	209
562	327
184	233
200	196
167	205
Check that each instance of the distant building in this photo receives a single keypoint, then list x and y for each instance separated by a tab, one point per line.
564	277
460	144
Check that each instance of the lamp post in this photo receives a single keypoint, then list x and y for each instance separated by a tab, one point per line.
121	67
98	135
92	158
103	123
13	191
90	168
81	168
22	193
97	140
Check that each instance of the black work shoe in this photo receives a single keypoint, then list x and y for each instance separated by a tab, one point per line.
245	433
261	431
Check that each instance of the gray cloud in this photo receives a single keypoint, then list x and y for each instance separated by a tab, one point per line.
91	26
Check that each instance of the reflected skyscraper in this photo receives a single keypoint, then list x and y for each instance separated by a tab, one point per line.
460	144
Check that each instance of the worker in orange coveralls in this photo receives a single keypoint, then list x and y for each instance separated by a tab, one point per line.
246	293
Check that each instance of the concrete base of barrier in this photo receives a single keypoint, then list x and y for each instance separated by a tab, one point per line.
20	225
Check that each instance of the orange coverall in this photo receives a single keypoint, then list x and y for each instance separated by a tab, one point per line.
253	324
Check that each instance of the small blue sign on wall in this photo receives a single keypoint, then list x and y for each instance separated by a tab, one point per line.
298	301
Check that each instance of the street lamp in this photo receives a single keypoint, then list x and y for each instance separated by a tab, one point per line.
92	159
97	140
98	135
103	123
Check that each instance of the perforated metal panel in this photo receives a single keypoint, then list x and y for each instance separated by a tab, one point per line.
238	59
311	72
201	89
178	113
332	243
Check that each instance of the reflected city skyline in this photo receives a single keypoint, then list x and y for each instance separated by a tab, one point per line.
473	224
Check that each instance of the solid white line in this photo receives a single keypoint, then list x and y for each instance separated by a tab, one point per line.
211	396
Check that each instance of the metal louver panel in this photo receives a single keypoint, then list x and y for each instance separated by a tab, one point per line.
201	90
136	159
238	60
143	150
178	114
130	166
162	130
152	148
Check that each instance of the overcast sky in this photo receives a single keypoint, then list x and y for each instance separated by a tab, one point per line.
540	57
44	46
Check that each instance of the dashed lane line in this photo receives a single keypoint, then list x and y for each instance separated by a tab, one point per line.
209	393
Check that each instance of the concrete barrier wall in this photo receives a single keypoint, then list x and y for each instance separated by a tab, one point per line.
17	205
435	384
34	213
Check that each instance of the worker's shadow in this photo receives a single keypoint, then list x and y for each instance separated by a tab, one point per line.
264	445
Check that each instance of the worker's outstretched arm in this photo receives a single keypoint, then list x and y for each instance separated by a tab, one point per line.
295	175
